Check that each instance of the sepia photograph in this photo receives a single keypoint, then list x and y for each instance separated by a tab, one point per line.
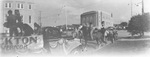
74	28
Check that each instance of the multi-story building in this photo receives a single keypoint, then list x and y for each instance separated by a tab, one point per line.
26	8
97	18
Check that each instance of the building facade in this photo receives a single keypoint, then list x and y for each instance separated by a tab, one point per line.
105	17
98	18
27	10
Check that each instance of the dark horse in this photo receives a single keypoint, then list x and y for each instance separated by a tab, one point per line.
96	33
26	30
111	35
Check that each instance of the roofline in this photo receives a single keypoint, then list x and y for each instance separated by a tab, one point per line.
19	1
97	11
89	12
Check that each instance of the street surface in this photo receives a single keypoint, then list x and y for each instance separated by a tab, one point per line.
125	46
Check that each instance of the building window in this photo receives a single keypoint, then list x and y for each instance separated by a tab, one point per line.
8	5
29	6
20	6
30	19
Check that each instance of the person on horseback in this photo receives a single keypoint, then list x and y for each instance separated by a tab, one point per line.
80	34
19	19
97	35
85	32
103	30
110	34
90	31
115	34
11	22
37	28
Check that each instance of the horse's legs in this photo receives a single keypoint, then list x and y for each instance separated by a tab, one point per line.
85	38
80	39
103	39
97	40
81	36
111	39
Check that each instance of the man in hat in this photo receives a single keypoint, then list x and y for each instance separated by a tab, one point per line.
12	24
85	32
19	19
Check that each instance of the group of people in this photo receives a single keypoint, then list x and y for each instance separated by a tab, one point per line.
15	24
90	33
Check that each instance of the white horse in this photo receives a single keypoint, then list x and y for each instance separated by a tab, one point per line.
111	35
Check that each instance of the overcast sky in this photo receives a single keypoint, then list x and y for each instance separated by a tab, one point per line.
53	11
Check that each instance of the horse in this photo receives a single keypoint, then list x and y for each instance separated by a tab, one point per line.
97	35
111	35
25	29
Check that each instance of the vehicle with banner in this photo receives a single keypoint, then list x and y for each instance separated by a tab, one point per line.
57	43
68	33
51	32
21	44
97	18
34	44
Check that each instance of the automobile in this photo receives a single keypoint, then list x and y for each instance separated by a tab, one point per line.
51	33
57	43
67	33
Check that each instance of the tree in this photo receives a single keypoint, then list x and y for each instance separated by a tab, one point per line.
139	24
124	24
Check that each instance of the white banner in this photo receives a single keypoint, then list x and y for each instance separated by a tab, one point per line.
25	43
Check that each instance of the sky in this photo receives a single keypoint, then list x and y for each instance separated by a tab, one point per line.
55	12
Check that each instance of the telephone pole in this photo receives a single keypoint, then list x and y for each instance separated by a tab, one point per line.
142	7
66	16
131	8
40	19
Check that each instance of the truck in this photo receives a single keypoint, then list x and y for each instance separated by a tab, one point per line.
98	18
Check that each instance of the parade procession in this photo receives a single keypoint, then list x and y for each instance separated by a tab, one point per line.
27	30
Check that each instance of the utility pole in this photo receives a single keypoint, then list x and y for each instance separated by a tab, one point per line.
66	17
131	8
65	13
142	3
40	19
142	7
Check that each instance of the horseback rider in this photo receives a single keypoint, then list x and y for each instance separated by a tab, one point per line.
97	35
11	24
19	19
110	34
115	33
37	28
85	34
103	30
90	30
